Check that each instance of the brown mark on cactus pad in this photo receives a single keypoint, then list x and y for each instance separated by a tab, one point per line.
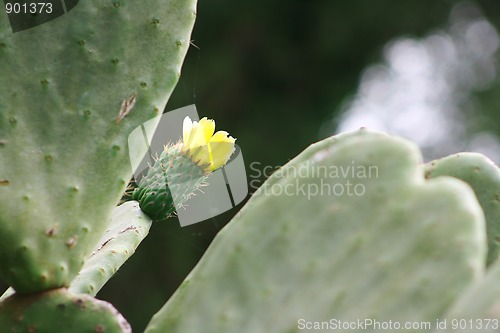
127	106
71	242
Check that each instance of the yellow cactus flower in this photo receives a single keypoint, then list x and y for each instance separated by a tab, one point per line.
209	150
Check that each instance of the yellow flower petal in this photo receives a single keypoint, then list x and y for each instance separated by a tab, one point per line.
222	136
221	148
196	137
187	126
221	152
200	154
208	126
209	150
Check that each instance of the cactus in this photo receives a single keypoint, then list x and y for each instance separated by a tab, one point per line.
171	172
128	227
73	88
367	232
484	178
182	168
403	249
60	311
72	91
477	310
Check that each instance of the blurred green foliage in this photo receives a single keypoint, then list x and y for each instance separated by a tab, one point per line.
272	73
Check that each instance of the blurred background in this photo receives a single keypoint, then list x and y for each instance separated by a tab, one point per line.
280	75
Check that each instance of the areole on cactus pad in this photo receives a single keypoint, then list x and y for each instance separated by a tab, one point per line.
72	90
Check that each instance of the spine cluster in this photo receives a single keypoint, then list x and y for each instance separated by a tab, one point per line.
169	183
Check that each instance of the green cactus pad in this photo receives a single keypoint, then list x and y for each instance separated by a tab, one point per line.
484	178
478	309
128	227
58	311
169	182
72	90
396	247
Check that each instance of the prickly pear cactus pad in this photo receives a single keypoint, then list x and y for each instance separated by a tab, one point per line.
60	311
128	227
72	90
309	248
484	178
478	309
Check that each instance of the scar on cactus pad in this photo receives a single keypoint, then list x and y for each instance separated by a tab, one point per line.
183	168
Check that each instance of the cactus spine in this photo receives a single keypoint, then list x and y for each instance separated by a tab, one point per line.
169	183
